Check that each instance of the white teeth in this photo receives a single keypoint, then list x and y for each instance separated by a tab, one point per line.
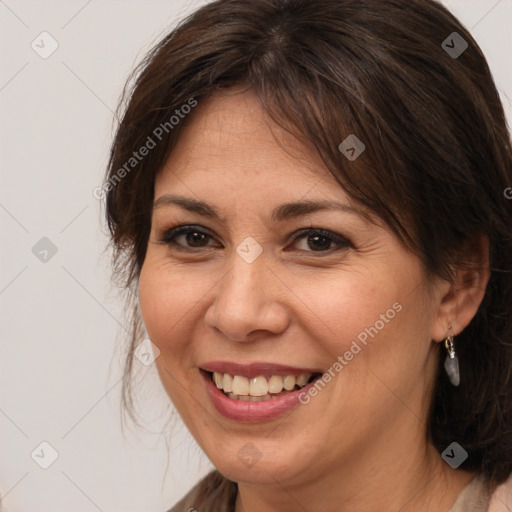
275	384
301	380
258	388
240	385
289	382
227	383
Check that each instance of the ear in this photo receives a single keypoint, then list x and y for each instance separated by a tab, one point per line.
458	301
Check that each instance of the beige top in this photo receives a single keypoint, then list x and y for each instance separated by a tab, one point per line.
474	497
221	496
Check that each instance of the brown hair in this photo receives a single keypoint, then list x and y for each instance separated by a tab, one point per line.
438	157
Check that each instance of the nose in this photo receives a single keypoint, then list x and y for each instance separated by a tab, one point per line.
247	300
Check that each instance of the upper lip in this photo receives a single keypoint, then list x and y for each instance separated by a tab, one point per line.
255	369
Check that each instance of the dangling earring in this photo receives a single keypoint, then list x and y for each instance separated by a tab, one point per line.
451	363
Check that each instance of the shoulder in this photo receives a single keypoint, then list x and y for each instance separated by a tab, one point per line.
477	496
501	499
214	493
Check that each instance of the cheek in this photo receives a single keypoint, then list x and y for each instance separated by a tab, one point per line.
377	322
165	298
153	300
346	305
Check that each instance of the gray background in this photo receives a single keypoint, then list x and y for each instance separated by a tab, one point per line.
62	321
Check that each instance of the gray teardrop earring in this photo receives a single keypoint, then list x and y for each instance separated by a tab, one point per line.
451	363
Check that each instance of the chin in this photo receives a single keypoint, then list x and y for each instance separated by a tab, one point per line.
266	466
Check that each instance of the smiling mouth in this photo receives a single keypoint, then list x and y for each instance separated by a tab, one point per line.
261	388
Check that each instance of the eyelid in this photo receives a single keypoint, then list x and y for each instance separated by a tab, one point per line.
171	233
335	237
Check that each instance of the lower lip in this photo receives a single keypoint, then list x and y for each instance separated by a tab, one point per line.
251	412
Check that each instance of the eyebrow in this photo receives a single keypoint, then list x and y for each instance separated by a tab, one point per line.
280	213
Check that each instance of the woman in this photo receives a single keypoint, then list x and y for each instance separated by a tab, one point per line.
308	200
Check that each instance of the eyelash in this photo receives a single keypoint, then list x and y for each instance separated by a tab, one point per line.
171	234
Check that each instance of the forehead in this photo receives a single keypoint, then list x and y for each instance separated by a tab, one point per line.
229	142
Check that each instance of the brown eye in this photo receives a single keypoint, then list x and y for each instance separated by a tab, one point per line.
196	238
319	240
187	237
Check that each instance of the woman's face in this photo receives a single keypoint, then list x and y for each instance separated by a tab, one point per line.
239	296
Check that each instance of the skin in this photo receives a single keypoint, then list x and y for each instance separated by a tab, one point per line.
360	444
